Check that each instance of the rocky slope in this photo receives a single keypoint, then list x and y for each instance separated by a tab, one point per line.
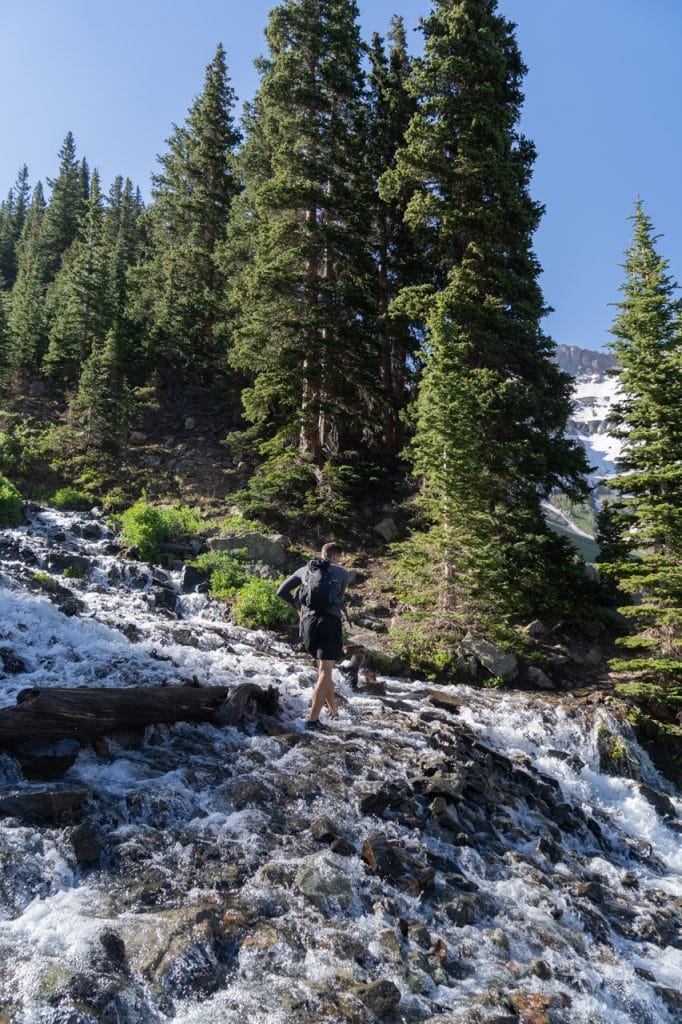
439	855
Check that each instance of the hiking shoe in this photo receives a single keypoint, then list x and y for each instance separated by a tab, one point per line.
316	725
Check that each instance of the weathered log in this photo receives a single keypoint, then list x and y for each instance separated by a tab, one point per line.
83	713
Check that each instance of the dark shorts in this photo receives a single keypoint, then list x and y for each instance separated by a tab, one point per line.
322	637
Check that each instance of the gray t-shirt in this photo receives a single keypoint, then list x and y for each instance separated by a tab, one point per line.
339	578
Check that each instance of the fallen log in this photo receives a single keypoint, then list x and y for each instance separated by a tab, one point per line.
84	713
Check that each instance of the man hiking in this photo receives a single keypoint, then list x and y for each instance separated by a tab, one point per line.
320	587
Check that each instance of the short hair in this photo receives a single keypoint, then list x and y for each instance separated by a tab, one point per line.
330	549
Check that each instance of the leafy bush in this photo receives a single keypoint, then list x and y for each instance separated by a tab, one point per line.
10	503
146	527
74	572
44	580
257	606
72	499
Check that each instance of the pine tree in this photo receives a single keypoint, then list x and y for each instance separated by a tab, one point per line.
124	239
646	560
304	327
179	290
103	402
67	205
82	296
492	405
28	322
4	337
397	257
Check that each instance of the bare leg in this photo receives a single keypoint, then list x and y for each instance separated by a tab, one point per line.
323	692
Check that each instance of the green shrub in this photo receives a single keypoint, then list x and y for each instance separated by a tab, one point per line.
10	503
44	580
257	606
72	499
146	527
74	572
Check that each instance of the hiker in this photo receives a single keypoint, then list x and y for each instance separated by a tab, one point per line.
320	587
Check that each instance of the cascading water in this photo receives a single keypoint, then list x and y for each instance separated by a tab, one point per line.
416	862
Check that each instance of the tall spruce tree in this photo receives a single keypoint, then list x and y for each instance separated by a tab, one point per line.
646	522
82	296
4	337
399	267
13	212
179	290
103	403
492	404
304	330
28	321
66	207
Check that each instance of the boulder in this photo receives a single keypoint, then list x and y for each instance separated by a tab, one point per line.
11	662
272	550
494	659
538	678
42	803
386	529
322	881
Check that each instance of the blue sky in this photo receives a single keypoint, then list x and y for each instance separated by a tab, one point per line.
602	106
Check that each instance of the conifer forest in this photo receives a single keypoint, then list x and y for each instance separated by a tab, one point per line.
331	302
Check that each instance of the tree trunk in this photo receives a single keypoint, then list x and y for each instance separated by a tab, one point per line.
45	716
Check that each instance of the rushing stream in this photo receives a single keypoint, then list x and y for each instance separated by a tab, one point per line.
417	862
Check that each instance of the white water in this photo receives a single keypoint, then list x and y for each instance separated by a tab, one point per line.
169	804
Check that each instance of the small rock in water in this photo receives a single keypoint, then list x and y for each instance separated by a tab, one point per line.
381	997
11	662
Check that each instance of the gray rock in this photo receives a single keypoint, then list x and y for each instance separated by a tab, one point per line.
322	881
537	628
189	422
381	997
386	529
538	678
47	760
42	803
11	662
271	550
497	661
86	844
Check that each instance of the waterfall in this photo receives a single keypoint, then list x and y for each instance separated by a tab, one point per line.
439	854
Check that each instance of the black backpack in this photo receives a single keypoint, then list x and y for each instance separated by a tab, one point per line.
317	589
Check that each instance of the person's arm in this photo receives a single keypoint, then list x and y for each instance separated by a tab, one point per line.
286	589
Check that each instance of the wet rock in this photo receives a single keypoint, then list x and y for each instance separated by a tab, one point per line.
389	795
322	881
532	1007
47	760
72	606
248	792
87	847
42	803
671	998
537	629
494	659
662	803
191	578
593	891
10	662
113	947
341	847
550	849
175	948
92	531
390	861
448	784
380	997
323	830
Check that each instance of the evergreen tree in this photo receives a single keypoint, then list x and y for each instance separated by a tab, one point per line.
304	327
82	299
12	216
646	558
179	290
492	404
28	323
397	256
103	402
124	240
66	206
4	337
